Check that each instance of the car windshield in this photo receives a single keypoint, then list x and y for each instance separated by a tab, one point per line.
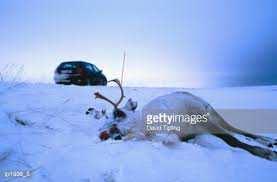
92	68
96	69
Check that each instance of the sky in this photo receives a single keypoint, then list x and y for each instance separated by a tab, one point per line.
168	43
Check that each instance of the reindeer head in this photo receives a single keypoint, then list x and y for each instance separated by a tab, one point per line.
119	113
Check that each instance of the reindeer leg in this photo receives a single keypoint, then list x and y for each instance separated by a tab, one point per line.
266	141
257	151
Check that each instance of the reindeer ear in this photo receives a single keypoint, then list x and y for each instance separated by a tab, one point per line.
131	105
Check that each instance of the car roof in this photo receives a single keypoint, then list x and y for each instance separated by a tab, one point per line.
75	62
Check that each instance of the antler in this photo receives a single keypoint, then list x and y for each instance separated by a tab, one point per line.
121	91
115	104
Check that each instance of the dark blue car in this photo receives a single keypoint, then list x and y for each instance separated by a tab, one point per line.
79	73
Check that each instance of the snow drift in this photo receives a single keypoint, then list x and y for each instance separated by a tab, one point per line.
44	130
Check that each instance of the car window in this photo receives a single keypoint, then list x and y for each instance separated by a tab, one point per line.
69	66
89	67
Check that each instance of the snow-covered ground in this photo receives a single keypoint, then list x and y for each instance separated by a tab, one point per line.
60	143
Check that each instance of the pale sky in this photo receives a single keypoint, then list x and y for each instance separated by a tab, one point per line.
170	43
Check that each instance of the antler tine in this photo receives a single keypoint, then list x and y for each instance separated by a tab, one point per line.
100	96
121	91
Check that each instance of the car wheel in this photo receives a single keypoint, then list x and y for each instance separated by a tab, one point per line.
88	82
104	82
100	82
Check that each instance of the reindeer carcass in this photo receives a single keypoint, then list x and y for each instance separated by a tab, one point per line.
125	122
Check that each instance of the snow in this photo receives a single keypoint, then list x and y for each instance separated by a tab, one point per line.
60	143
